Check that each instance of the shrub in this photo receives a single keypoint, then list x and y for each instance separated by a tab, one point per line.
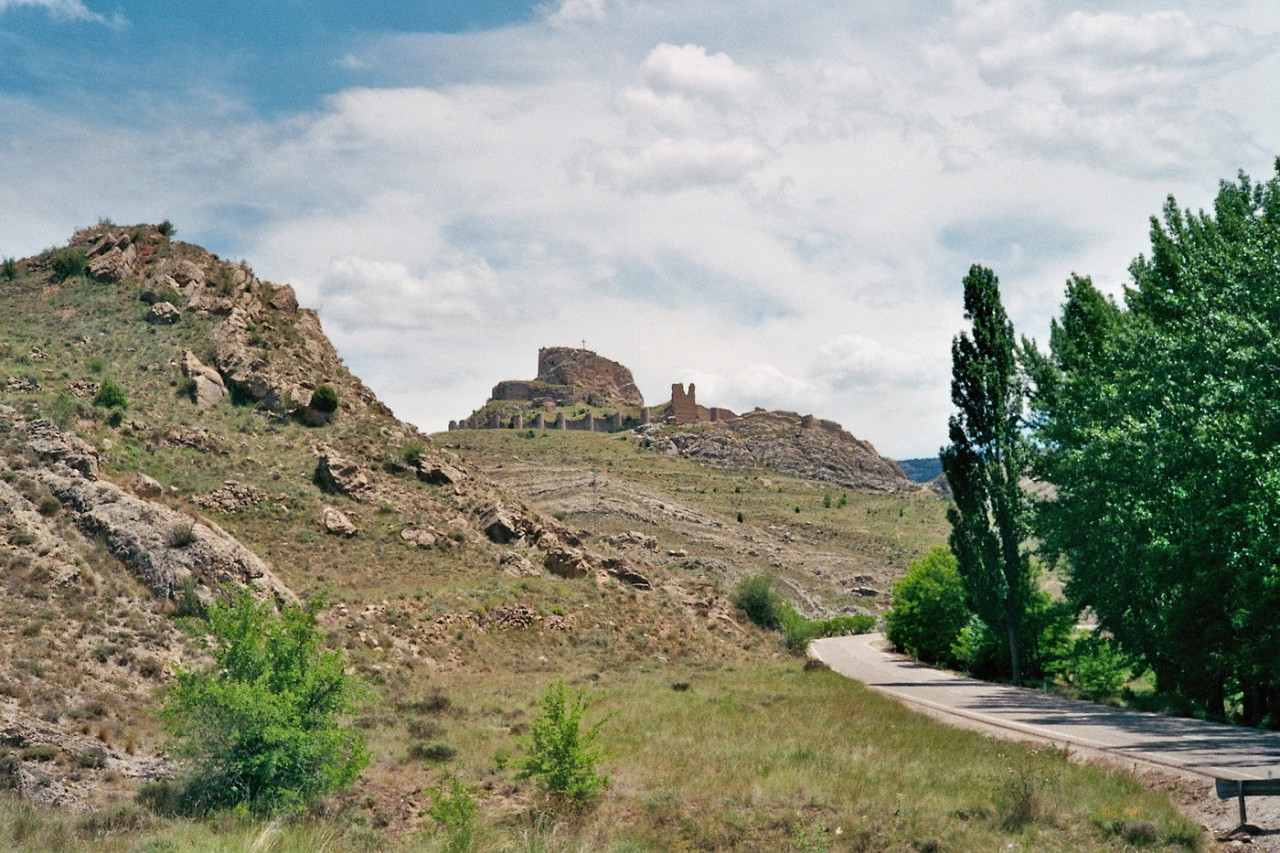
166	229
561	753
412	454
929	609
111	396
433	752
454	807
260	727
69	263
324	399
1096	665
9	269
755	597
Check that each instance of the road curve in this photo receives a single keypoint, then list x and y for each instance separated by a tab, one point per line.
1206	749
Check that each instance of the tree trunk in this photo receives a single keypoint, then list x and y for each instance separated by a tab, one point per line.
1015	665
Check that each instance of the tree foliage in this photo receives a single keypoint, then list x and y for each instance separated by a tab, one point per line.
984	463
562	755
929	609
260	727
1160	428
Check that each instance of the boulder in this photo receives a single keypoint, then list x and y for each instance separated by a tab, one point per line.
420	538
439	473
567	563
337	523
164	314
157	284
339	475
619	569
209	386
517	565
146	487
499	524
283	298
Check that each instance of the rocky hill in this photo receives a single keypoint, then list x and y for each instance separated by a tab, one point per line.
208	467
802	446
566	377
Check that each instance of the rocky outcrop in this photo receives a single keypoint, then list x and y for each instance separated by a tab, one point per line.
163	548
113	257
209	389
163	314
803	446
567	375
338	474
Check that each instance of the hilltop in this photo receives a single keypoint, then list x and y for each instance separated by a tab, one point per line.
579	390
173	427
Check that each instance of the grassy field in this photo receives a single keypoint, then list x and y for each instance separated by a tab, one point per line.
760	757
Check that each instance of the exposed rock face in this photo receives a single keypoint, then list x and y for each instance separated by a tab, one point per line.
161	546
113	257
574	375
795	444
53	445
210	390
337	474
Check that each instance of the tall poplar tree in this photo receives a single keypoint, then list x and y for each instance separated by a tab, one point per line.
986	459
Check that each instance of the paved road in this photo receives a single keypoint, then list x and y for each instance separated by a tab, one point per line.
1207	749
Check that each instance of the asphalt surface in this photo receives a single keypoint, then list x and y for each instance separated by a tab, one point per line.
1193	746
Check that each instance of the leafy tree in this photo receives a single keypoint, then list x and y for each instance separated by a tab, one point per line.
260	728
1160	424
929	609
562	754
9	269
987	457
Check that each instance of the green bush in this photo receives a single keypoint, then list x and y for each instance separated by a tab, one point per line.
166	229
412	454
929	609
69	263
260	727
562	756
9	269
454	807
1096	665
754	596
111	396
324	399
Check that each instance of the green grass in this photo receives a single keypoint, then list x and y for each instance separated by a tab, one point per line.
758	757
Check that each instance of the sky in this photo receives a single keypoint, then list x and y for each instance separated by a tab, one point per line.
775	201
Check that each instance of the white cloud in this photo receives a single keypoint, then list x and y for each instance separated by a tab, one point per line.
784	221
861	363
64	10
670	165
690	70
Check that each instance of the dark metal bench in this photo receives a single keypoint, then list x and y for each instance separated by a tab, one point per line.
1228	788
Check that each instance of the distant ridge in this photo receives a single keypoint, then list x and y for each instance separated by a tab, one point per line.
921	470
